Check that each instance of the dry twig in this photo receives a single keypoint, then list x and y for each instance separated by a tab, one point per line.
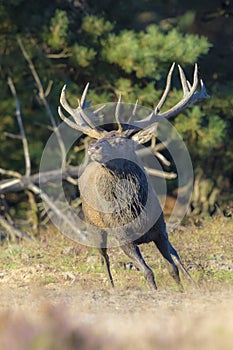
21	128
42	97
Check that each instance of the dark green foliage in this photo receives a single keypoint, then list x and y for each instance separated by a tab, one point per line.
119	47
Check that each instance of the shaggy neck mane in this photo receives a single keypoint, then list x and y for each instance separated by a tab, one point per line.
123	184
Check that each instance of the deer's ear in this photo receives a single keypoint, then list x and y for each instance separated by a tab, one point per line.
144	135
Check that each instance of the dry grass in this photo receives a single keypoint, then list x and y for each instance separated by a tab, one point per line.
55	295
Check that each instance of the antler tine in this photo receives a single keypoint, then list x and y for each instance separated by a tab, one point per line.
167	89
64	101
189	85
189	89
133	113
184	82
99	109
117	114
83	123
146	122
195	79
201	94
188	98
69	122
74	112
81	103
135	108
84	94
85	117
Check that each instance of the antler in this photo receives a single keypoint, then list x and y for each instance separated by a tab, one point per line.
190	95
82	122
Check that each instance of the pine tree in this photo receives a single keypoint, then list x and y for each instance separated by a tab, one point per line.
123	47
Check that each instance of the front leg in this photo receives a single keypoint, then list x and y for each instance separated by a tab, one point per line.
103	252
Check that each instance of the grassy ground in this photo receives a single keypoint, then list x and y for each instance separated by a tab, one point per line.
55	294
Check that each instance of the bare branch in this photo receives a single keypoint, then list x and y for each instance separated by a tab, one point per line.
10	173
11	230
5	185
72	181
161	157
21	183
160	173
13	136
59	55
42	97
45	126
160	146
21	128
36	190
155	150
49	87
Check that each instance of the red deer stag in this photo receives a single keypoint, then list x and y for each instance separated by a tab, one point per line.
116	192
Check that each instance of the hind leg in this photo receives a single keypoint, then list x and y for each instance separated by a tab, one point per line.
162	244
183	268
133	252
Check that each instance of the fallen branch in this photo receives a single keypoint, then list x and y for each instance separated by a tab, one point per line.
160	173
21	184
10	173
63	217
11	230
